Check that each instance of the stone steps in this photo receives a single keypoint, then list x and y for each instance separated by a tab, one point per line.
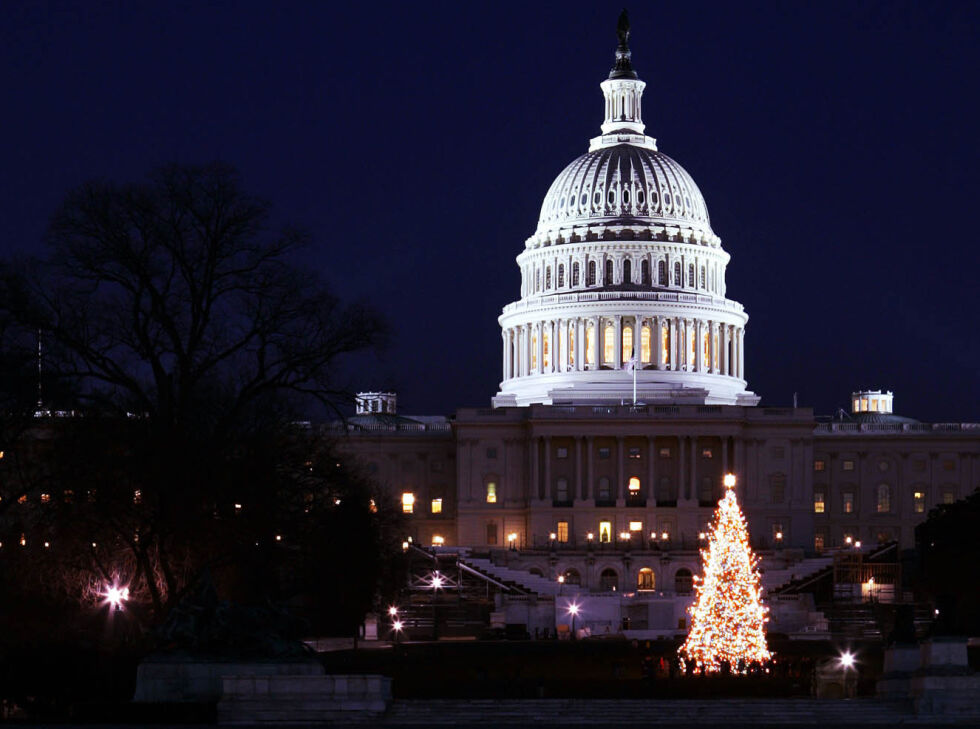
646	711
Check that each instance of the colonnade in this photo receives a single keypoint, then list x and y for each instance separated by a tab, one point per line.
579	344
686	486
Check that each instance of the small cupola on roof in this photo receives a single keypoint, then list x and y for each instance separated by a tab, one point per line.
376	402
872	401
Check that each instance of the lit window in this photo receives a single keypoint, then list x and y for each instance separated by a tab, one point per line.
589	344
562	531
848	465
546	359
948	497
847	502
819	465
634	453
645	579
437	541
571	341
818	542
665	452
818	502
491	492
627	343
436	506
884	498
137	497
634	486
919	499
605	531
665	343
45	498
534	352
609	344
372	506
692	347
645	344
707	453
22	499
408	502
636	526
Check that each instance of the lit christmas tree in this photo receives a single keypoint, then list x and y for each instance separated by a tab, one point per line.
727	618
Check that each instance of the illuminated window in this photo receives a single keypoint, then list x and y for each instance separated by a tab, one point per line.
919	501
714	362
534	352
634	453
706	351
645	580
848	465
847	502
665	344
634	487
608	344
137	497
68	496
665	452
818	502
562	531
627	343
636	526
605	531
571	344
948	497
691	347
818	542
437	541
436	506
491	492
45	498
819	465
589	344
707	453
22	499
645	343
884	498
408	502
372	507
547	350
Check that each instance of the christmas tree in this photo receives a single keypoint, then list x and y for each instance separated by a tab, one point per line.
727	618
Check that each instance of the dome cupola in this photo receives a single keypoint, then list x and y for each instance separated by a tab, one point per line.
623	281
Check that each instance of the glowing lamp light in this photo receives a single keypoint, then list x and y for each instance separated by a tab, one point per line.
624	536
404	546
561	580
116	596
847	660
590	536
702	536
779	536
438	541
573	609
396	626
848	540
552	536
393	611
278	537
437	582
857	544
729	480
665	536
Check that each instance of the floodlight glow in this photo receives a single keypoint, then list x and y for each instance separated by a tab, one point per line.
393	611
847	659
115	596
573	609
729	480
396	626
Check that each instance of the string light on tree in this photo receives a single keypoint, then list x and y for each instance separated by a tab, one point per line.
727	618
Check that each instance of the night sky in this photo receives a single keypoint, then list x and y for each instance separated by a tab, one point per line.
836	145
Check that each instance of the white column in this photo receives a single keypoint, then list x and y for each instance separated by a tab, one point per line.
698	360
741	353
504	365
618	349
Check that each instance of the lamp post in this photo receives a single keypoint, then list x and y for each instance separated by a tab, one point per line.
561	583
573	611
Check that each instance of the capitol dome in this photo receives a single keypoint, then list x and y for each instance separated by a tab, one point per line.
623	292
624	180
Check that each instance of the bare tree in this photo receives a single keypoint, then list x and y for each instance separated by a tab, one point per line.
190	339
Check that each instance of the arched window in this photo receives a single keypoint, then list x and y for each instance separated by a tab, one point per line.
609	344
627	344
665	343
662	272
627	271
561	275
884	498
683	581
589	342
608	580
645	344
547	278
537	280
704	277
677	273
645	579
607	281
572	577
571	343
645	273
603	493
575	274
590	281
690	275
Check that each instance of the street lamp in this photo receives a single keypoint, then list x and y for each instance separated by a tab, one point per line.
512	540
393	611
573	611
847	660
115	596
561	583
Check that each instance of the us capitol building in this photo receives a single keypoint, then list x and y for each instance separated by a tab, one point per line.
624	400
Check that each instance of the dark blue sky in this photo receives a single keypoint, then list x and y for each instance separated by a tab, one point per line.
836	145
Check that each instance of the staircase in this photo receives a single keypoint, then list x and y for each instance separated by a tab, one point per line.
599	712
519	580
776	580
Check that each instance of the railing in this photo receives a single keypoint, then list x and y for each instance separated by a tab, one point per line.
588	296
896	428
